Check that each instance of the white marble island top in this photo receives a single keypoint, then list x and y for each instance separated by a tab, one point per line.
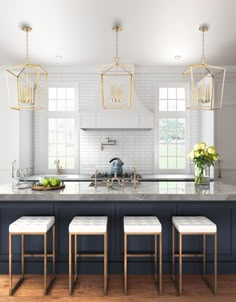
145	191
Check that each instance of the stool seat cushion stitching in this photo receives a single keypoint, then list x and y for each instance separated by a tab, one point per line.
142	224
194	224
88	224
32	224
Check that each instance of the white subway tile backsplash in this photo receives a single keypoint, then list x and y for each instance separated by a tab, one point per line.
134	148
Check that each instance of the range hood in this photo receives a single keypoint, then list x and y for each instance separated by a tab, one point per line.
137	117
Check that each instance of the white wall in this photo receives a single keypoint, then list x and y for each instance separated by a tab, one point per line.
9	134
15	136
26	140
225	125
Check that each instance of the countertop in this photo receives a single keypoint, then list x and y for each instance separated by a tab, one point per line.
145	191
87	177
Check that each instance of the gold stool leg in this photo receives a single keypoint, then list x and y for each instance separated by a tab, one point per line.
75	256
45	263
70	258
155	257
160	263
125	263
10	263
204	256
53	252
105	264
215	263
22	256
173	252
180	265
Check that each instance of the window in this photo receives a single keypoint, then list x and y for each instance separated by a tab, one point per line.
61	121
61	99
172	129
61	142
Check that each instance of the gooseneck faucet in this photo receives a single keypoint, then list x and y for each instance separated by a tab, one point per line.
59	168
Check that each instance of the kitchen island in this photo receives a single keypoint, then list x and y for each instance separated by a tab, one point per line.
163	199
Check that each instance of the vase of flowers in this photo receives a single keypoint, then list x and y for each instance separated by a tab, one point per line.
203	158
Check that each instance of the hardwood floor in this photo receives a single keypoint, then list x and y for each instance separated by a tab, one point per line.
140	288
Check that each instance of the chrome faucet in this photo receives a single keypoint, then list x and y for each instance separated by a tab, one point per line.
59	168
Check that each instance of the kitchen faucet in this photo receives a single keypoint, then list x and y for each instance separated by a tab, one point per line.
59	168
13	172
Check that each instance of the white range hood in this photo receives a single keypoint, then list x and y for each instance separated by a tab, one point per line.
137	117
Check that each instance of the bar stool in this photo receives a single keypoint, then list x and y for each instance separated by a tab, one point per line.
193	225
143	225
87	225
32	225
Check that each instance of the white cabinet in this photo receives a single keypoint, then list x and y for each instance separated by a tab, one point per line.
116	121
88	120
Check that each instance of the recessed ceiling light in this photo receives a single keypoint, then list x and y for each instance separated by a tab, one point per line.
178	57
59	57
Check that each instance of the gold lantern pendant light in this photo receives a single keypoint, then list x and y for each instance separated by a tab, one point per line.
201	80
27	83
116	81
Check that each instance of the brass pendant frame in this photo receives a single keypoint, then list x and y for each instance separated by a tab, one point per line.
120	98
200	82
26	83
111	72
199	73
17	74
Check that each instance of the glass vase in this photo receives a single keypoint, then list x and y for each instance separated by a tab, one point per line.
202	175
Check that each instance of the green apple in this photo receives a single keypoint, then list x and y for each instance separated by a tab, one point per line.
45	182
53	182
58	181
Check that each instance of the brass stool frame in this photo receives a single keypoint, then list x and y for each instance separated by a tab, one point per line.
76	255
126	255
45	255
179	285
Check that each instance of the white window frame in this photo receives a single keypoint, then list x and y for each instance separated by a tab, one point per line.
170	114
63	114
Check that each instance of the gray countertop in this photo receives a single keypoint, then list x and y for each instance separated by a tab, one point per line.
87	177
145	191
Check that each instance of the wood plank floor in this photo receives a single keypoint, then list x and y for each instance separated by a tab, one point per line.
140	288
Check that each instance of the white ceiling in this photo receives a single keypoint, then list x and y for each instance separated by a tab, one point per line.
154	31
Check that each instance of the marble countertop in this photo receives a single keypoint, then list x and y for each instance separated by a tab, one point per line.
87	177
145	191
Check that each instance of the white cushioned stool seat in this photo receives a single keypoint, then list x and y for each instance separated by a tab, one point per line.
194	224
88	224
32	224
142	224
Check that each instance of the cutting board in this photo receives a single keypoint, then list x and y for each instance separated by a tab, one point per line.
42	188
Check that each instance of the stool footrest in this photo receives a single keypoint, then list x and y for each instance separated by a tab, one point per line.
37	255
140	255
190	255
90	255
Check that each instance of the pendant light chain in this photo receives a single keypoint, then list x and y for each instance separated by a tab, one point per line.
117	47
27	60
203	47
